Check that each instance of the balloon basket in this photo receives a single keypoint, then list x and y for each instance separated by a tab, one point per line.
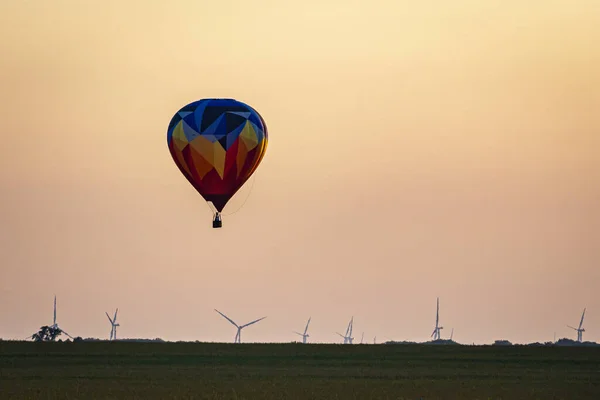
217	222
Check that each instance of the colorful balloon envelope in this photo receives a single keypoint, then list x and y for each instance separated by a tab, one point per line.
217	145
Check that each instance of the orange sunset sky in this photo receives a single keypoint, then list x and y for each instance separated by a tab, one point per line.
417	149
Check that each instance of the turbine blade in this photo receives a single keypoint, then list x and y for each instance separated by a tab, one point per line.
582	315
571	327
298	333
115	317
253	322
108	316
306	329
349	328
227	318
54	310
66	334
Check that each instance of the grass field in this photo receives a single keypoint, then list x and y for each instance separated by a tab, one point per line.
103	370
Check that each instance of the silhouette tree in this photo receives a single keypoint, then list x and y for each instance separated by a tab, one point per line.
47	334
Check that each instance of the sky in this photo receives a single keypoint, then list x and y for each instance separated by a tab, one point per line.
417	150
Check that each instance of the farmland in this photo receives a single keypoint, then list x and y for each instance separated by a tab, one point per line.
109	370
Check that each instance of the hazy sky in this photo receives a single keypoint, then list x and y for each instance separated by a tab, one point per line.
417	149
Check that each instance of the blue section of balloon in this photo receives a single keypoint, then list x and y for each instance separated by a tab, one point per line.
216	119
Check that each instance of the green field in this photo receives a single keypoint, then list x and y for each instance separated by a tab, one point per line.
110	370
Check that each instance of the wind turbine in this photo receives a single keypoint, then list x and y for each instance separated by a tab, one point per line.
348	336
304	335
238	335
113	325
579	330
54	324
436	331
452	334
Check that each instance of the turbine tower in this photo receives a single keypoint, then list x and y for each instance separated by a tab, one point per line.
113	325
304	335
238	335
579	330
348	336
452	334
436	331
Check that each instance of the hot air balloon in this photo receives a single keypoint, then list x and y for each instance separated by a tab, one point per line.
217	144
